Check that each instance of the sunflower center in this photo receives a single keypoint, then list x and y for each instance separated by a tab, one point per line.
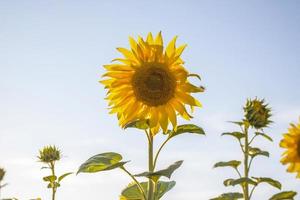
153	85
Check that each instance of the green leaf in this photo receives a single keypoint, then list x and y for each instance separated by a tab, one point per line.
49	178
64	176
237	123
139	124
164	172
228	182
264	135
162	188
232	163
286	195
254	151
53	185
132	192
229	196
238	135
101	162
240	181
270	181
186	128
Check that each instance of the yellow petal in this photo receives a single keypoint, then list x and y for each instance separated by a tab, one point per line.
170	50
158	39
150	38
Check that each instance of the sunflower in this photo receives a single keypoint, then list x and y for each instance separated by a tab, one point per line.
150	83
291	141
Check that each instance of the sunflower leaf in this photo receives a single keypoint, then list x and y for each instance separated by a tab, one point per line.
286	195
264	135
229	196
51	178
139	124
231	163
164	172
254	151
228	182
240	181
101	162
238	135
270	181
132	192
237	123
64	176
186	128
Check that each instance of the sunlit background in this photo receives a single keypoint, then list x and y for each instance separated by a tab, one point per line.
51	57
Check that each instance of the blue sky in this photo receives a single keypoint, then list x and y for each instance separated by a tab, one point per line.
51	57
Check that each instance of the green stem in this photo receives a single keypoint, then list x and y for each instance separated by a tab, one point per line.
159	150
246	165
136	181
54	185
151	167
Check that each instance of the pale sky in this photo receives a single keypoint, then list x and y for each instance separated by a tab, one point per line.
51	57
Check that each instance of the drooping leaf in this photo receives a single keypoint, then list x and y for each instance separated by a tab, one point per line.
229	196
132	192
186	128
231	163
264	135
286	195
64	176
139	124
101	162
238	135
270	181
49	178
254	151
164	172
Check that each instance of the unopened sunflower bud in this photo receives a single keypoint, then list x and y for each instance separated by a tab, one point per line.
49	154
2	174
257	113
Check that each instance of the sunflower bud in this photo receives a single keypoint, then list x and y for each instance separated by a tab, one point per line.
257	113
2	174
49	154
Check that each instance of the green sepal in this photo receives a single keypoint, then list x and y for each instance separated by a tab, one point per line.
231	163
164	172
286	195
229	196
101	162
185	128
132	192
270	181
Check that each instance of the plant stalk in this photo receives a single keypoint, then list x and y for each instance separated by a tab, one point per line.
151	188
246	164
54	185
